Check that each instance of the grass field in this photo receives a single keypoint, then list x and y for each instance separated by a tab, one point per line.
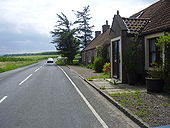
10	63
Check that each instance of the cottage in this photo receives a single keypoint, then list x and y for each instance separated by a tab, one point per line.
145	26
101	39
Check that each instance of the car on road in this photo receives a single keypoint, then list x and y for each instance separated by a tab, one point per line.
50	60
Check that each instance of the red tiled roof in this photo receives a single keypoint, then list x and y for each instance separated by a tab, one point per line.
160	20
147	12
135	25
102	39
159	15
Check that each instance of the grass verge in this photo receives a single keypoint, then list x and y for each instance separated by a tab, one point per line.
10	63
102	76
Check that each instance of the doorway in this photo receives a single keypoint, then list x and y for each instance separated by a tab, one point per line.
116	59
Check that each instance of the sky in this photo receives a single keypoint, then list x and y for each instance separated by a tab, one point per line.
25	25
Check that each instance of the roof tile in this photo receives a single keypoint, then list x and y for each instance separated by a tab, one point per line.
159	15
102	39
135	25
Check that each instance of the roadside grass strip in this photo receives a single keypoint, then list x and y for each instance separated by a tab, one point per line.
86	101
11	63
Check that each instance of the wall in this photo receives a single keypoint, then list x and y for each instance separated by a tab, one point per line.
88	56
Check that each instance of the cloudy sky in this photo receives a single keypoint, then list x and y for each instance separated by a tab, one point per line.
25	24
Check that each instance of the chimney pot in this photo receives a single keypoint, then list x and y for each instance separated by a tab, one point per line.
106	22
117	12
105	27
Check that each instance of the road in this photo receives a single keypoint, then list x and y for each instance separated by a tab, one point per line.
49	96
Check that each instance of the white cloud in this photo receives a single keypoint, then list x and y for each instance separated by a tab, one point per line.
37	17
42	13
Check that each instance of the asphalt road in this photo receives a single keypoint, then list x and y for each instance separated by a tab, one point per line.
48	96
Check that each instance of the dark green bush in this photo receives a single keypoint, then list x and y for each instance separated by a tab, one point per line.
75	62
98	64
60	62
90	66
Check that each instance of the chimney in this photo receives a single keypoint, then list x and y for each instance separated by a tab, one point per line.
117	12
97	33
105	27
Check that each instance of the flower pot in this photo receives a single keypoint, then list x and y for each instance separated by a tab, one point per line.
131	78
154	85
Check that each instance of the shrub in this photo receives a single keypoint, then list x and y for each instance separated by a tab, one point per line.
61	61
107	68
98	64
157	71
90	66
75	62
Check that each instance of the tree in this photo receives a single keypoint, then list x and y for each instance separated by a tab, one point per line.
85	30
64	38
163	42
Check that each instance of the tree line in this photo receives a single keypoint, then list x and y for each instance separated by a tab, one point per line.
32	54
69	37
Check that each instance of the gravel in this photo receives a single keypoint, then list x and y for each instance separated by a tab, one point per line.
153	109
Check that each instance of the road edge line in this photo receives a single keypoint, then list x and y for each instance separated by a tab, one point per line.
86	101
133	117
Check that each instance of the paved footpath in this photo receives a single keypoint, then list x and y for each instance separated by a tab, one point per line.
108	86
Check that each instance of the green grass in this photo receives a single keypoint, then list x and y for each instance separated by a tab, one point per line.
10	63
132	99
4	59
11	66
102	76
166	104
142	112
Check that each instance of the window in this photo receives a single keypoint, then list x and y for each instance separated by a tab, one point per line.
154	53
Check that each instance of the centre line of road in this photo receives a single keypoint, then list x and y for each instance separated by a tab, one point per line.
25	79
37	69
86	101
3	99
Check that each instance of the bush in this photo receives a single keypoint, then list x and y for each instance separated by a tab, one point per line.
98	64
61	61
75	62
90	66
107	68
157	71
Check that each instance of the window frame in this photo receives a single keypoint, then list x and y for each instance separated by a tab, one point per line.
146	46
153	41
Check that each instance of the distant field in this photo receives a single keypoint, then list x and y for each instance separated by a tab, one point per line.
10	63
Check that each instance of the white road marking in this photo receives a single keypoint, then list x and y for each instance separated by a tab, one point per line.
37	69
3	99
86	101
25	79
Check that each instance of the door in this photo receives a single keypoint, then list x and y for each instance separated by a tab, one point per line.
116	60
